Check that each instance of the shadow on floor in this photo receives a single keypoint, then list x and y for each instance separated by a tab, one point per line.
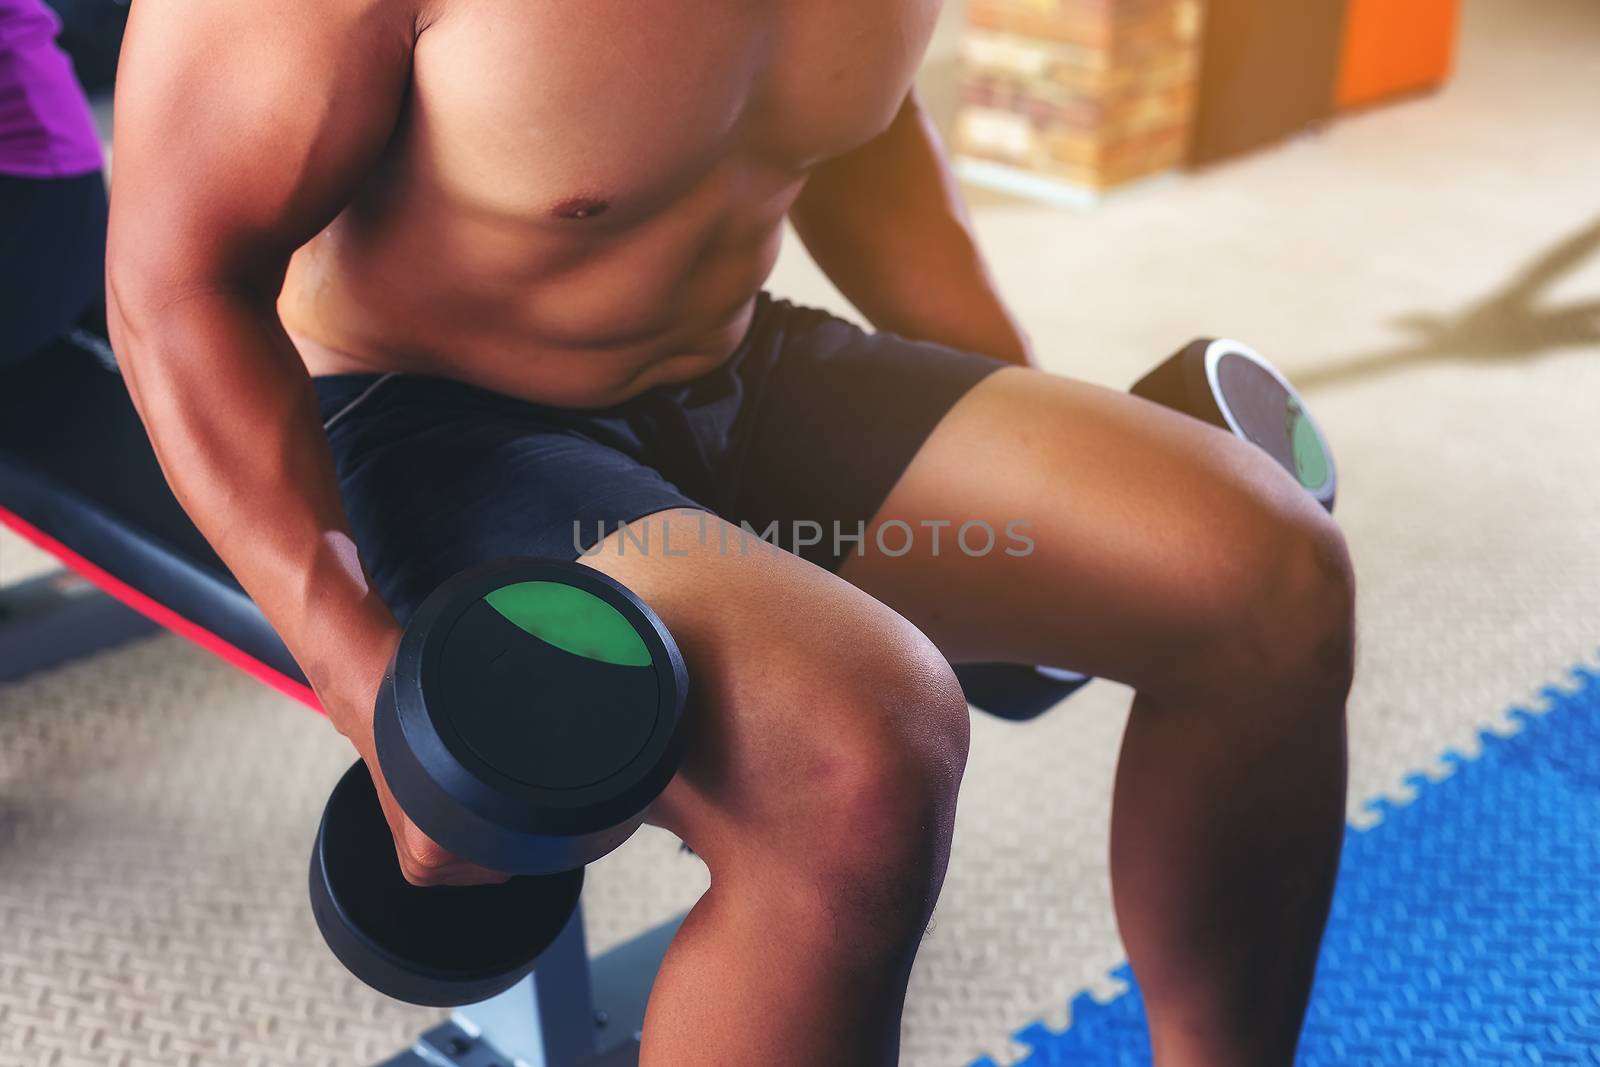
1506	325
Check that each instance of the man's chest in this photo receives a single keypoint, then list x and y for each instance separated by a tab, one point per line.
527	105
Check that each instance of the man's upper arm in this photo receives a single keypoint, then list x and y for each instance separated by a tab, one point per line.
242	129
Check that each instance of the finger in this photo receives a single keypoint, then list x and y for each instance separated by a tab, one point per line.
457	873
423	861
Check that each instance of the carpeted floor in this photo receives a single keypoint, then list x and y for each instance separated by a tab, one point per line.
1429	273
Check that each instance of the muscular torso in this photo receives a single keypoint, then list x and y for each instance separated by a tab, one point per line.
581	200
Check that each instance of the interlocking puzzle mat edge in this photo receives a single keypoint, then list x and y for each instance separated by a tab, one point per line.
1466	924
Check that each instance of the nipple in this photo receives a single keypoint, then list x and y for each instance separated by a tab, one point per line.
579	207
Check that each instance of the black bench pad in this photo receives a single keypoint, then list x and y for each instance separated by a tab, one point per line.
75	465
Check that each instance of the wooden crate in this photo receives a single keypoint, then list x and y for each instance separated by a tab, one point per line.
1077	95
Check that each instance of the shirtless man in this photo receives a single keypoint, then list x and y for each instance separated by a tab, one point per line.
403	285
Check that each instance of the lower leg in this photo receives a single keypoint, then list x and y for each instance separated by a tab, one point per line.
800	951
750	981
1226	833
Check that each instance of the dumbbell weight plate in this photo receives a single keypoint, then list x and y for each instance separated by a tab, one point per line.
440	946
1230	386
532	712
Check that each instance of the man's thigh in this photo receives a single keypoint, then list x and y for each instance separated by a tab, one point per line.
800	683
1139	528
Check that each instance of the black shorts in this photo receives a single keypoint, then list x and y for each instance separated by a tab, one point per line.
800	434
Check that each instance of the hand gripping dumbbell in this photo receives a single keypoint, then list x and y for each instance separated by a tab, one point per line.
531	713
1231	387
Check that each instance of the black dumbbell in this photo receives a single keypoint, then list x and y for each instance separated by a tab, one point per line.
1231	387
533	710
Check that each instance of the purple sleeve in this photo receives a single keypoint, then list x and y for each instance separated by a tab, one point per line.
46	130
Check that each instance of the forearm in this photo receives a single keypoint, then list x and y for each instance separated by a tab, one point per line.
229	408
887	224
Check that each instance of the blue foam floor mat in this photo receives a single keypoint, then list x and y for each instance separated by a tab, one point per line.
1466	923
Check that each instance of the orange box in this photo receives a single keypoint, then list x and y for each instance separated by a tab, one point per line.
1393	47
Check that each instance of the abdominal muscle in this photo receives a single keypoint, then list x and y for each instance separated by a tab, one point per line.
576	313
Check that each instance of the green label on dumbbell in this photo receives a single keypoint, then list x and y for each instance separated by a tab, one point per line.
572	620
1310	462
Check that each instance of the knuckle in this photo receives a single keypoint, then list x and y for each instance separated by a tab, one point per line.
423	862
419	875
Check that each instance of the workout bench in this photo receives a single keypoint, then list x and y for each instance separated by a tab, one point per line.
78	478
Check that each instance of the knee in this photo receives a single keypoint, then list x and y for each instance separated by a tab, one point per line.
1284	613
887	790
1310	618
879	785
